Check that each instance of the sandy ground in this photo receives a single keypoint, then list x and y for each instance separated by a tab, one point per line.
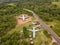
53	40
20	21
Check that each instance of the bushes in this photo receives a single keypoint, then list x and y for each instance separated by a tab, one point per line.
7	23
24	42
10	39
25	32
47	12
54	43
7	19
47	34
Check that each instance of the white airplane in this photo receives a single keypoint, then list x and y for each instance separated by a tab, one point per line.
34	31
23	17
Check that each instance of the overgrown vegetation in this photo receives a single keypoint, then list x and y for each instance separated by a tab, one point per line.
47	34
10	39
47	11
25	32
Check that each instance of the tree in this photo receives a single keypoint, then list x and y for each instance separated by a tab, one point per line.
24	42
25	32
47	34
54	43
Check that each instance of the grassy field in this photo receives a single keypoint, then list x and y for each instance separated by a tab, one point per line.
56	27
56	3
40	36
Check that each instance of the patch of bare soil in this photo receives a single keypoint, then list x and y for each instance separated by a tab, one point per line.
53	40
21	22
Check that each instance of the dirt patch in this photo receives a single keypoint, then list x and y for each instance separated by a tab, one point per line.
21	22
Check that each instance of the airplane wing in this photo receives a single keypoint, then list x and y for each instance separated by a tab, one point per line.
36	30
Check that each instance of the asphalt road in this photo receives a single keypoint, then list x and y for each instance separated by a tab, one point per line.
53	34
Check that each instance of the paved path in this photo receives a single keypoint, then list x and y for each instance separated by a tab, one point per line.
54	35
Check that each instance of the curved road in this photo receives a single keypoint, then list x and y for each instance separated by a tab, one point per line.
54	35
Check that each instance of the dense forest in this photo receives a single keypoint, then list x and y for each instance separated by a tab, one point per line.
8	11
41	1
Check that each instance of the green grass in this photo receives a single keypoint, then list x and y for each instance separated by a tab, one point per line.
56	3
40	37
57	28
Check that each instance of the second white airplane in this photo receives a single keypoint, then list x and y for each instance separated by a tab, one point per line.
34	31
